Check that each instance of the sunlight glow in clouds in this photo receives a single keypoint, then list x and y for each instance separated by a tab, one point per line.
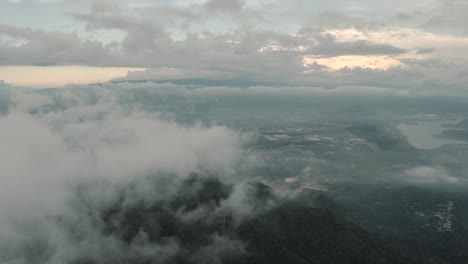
237	41
368	62
40	77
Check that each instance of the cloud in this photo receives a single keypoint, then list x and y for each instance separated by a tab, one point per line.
411	76
27	102
427	175
336	20
71	157
298	90
106	158
191	40
37	1
36	48
327	45
448	16
147	42
225	5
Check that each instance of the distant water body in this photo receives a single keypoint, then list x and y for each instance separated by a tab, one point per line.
421	134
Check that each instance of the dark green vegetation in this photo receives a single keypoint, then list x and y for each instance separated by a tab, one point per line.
293	233
419	222
193	221
382	139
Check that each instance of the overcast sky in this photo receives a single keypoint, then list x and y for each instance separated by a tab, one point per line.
417	47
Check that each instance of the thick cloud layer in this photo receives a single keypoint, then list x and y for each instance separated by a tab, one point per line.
81	171
417	46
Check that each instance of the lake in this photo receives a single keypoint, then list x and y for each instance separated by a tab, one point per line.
421	134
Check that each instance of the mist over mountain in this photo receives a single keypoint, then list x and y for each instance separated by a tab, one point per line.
161	173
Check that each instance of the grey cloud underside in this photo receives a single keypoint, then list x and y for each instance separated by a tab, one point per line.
148	42
249	52
218	57
145	45
427	77
225	5
38	49
148	45
337	20
328	46
449	16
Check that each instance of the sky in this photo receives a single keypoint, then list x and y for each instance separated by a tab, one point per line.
415	47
